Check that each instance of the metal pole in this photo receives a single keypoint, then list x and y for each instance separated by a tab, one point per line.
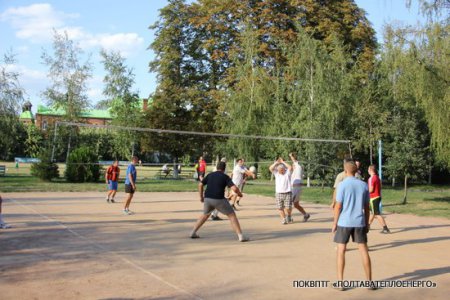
380	153
54	141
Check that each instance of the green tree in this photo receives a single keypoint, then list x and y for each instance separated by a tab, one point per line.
34	142
123	102
68	76
11	98
180	101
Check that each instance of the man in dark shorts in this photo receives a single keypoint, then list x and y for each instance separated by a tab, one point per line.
351	218
214	198
130	184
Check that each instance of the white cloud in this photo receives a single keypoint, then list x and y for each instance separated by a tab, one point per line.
125	43
26	74
35	22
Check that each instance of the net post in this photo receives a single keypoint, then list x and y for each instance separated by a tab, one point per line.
380	153
54	141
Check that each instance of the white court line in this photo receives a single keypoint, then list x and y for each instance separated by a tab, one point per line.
100	247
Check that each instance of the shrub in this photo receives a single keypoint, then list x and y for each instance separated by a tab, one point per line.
45	169
82	166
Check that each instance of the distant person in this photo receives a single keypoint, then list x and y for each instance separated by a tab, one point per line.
375	198
296	182
3	225
214	198
283	190
358	173
339	178
130	184
112	178
351	219
165	169
200	167
239	173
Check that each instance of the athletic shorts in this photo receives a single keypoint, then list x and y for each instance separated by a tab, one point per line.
200	175
112	185
358	234
284	200
129	189
296	192
222	205
375	205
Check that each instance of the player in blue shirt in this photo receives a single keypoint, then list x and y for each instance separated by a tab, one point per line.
130	184
351	218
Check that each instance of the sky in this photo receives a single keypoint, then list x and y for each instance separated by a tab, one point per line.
26	29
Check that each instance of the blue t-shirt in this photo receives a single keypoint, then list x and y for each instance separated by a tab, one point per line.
353	194
130	170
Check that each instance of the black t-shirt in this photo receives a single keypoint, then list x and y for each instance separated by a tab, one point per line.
216	183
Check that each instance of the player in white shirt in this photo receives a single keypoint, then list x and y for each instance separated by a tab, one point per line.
239	171
296	181
283	189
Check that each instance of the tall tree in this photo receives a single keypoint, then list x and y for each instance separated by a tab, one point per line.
123	102
68	76
180	101
11	98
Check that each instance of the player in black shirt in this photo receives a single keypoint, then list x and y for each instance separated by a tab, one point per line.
214	198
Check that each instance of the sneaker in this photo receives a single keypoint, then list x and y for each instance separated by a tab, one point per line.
194	236
385	230
244	238
306	217
289	219
107	200
284	222
216	218
112	200
4	226
126	212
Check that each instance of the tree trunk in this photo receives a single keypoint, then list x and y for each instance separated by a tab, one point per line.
393	181
406	190
429	174
175	168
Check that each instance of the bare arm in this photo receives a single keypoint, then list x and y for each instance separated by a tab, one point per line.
367	214
337	213
248	173
130	177
272	166
333	199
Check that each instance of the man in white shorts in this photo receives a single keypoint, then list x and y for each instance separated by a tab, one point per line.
296	181
238	179
283	190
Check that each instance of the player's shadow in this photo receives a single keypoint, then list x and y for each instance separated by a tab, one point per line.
421	274
283	234
419	227
407	242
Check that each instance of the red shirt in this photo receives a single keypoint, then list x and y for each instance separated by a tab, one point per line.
374	181
202	166
113	173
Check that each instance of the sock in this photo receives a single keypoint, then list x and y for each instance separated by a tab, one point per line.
193	232
240	236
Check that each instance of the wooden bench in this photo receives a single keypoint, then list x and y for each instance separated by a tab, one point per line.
2	170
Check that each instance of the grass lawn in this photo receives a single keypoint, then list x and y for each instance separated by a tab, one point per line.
422	200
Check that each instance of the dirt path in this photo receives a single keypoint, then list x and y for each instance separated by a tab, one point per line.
76	246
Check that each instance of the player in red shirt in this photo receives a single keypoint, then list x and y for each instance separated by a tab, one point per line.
201	168
112	177
375	198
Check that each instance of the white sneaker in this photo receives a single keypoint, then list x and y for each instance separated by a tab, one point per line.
4	226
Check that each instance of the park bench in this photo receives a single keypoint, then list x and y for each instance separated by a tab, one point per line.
2	170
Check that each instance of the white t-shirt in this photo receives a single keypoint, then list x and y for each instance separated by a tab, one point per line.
282	182
297	174
238	175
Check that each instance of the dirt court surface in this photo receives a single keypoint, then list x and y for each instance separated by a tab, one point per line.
76	246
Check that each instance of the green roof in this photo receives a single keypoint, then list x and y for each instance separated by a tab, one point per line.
91	113
26	115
